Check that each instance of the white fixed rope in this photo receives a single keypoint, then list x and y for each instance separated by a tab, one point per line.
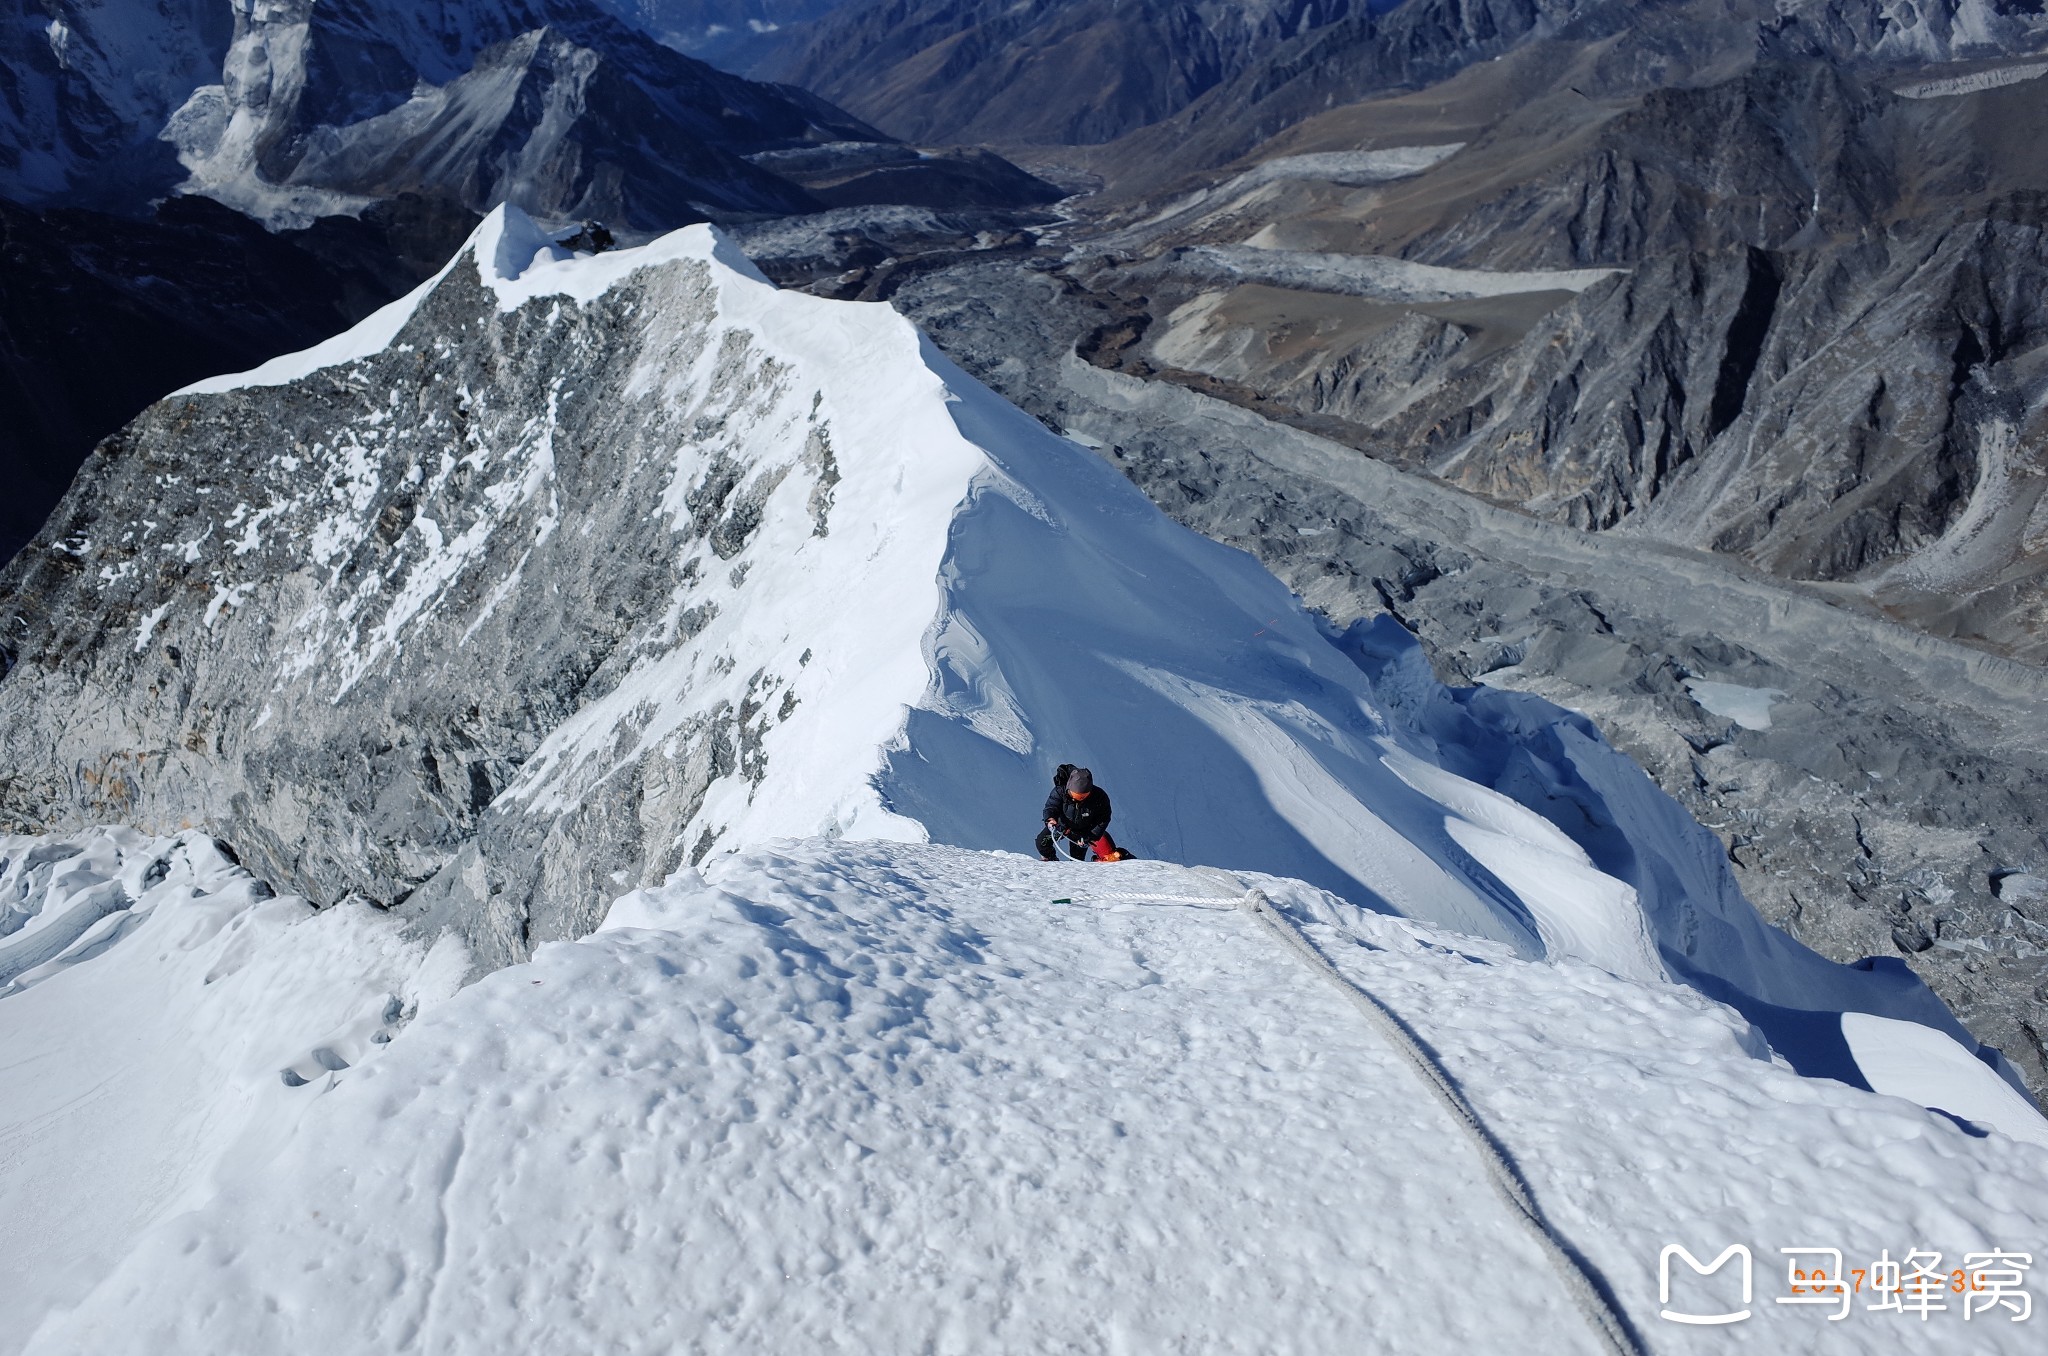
1581	1281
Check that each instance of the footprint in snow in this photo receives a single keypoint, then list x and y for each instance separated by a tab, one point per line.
350	1045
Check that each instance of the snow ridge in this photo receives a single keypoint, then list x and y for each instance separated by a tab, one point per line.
856	1097
1589	1290
829	645
911	600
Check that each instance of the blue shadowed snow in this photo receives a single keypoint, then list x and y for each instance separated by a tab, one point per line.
1556	763
1081	625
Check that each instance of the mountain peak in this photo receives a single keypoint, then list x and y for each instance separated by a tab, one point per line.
641	560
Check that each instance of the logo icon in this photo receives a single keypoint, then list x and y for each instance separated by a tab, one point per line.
1664	1282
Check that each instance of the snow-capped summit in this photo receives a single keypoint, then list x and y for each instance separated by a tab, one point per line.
566	571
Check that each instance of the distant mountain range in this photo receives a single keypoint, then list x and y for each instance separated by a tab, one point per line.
305	117
1004	72
1614	48
1815	342
305	109
731	34
1231	73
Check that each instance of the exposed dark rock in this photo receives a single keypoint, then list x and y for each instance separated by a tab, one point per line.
1820	348
730	34
556	107
1041	71
1493	56
101	315
551	100
867	174
219	624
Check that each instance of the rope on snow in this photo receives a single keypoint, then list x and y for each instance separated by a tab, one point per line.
1583	1282
1218	903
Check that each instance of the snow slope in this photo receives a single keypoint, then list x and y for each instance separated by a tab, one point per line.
897	1095
932	644
141	1048
881	1097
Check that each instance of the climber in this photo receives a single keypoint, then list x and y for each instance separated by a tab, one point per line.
1077	810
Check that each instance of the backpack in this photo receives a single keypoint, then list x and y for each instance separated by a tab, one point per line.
1060	775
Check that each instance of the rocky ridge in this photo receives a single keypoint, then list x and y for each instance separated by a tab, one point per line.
106	312
555	106
297	110
1045	71
1607	48
1787	314
321	122
273	642
730	34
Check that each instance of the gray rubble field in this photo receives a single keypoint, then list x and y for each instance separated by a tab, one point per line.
1884	792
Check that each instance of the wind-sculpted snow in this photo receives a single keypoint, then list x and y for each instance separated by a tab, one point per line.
566	572
168	1045
882	1097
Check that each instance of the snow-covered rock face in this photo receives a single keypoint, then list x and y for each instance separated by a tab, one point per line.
224	132
562	573
579	549
549	105
88	83
1908	32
